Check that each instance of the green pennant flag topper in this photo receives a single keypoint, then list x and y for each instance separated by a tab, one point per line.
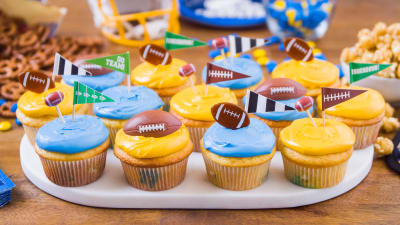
119	62
175	41
84	94
359	71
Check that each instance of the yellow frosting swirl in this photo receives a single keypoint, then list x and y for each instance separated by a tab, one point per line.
151	147
366	106
302	136
32	104
312	74
197	106
158	77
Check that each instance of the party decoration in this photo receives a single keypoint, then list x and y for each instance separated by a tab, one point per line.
62	66
334	96
175	41
6	186
393	160
84	94
5	126
298	49
118	62
36	81
53	99
243	44
95	70
186	71
230	115
256	103
217	74
155	55
281	89
303	104
152	123
359	71
219	43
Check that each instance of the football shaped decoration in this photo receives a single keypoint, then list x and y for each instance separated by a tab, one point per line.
54	98
230	115
152	123
95	70
304	103
298	49
36	81
281	89
187	70
219	43
155	55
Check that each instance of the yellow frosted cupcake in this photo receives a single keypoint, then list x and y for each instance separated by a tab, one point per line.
165	80
363	113
193	108
153	147
312	75
34	113
316	157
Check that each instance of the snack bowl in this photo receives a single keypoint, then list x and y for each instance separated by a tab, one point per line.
388	87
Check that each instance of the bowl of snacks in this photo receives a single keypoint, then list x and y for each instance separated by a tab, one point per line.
379	45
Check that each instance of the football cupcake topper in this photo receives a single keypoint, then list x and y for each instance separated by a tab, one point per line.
36	81
303	104
220	43
152	123
53	99
281	89
155	55
186	71
230	115
298	49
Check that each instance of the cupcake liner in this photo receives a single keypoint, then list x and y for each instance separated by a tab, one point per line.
112	133
31	133
156	178
196	134
236	178
74	173
166	99
366	135
277	131
314	177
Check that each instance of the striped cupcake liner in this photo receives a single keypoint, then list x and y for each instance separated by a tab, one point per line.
112	134
157	178
366	135
166	99
196	134
31	133
74	173
310	177
277	132
236	178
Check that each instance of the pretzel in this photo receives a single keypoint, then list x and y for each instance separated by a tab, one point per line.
5	71
17	65
9	29
5	49
43	32
12	90
5	109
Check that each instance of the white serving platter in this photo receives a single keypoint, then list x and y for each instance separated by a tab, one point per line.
195	192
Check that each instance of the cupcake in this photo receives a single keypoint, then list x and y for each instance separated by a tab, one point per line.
363	113
238	158
34	113
316	156
101	79
242	65
287	92
313	75
153	147
73	153
126	105
193	108
165	80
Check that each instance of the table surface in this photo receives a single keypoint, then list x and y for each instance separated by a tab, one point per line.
374	201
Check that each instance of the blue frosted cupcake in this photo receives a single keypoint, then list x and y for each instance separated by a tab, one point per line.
126	105
241	65
238	159
73	153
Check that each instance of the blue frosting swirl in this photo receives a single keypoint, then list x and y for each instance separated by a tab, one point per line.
99	83
84	133
253	140
241	65
126	105
286	116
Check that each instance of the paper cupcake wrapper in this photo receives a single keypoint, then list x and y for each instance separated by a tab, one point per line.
112	134
166	99
276	131
366	135
74	173
236	178
196	134
31	133
310	177
157	178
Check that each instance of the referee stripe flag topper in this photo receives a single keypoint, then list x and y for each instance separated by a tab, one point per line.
63	66
256	103
334	96
243	44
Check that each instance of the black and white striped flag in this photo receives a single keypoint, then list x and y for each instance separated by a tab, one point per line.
242	44
256	103
63	66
